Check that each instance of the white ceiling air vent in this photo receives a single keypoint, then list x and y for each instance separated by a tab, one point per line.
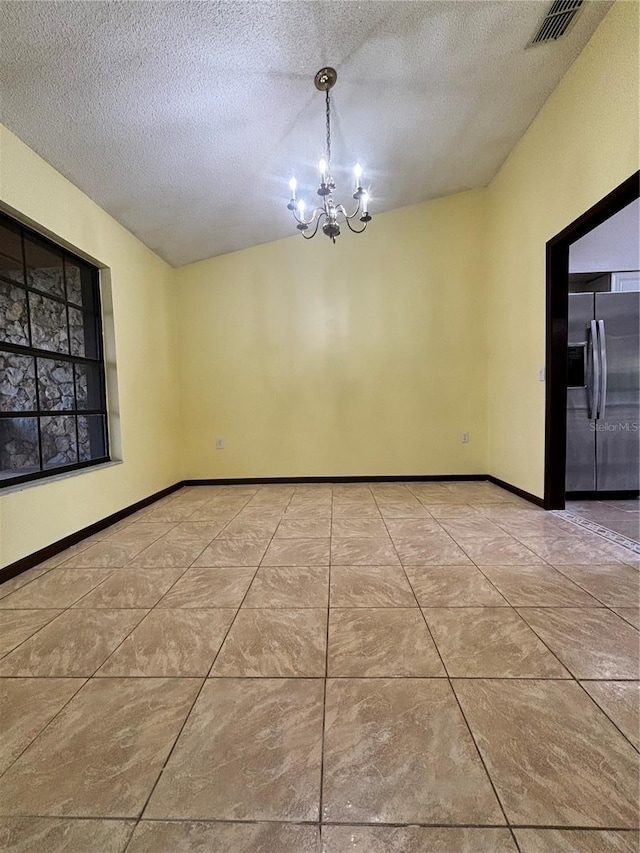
557	20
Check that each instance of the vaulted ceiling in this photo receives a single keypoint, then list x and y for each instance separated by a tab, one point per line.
185	120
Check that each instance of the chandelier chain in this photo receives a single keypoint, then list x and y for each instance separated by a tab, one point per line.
328	131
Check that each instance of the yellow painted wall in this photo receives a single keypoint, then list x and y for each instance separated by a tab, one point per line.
360	358
369	357
142	292
583	143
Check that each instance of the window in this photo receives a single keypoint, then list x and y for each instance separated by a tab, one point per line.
53	414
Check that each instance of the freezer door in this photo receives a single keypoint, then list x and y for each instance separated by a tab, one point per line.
618	427
581	436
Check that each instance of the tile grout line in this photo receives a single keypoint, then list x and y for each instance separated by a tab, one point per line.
333	823
325	685
336	677
626	619
491	782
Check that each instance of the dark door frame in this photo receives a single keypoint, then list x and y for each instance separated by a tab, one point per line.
557	319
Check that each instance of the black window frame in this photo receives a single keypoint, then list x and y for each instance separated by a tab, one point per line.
95	312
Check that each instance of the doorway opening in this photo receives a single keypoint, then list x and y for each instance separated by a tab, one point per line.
589	369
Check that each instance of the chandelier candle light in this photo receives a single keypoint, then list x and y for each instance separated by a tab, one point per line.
325	80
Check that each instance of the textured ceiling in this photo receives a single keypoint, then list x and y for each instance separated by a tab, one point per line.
185	120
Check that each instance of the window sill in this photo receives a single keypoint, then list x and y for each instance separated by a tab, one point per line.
56	478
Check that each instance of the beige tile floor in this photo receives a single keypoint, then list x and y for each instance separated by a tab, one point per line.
622	516
398	667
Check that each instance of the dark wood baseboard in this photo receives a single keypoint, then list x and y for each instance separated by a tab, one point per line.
527	496
623	495
409	478
266	481
49	551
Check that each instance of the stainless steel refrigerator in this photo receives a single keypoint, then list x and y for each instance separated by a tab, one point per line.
603	395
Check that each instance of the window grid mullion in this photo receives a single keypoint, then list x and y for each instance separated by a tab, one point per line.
48	353
35	360
73	367
51	413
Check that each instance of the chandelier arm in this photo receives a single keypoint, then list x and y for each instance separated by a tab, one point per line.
354	214
357	230
315	230
316	212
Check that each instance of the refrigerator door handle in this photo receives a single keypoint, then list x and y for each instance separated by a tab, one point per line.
602	341
594	379
589	374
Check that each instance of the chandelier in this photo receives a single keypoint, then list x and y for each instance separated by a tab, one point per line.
329	211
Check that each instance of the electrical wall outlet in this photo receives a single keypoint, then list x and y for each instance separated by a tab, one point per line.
465	438
542	374
219	443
